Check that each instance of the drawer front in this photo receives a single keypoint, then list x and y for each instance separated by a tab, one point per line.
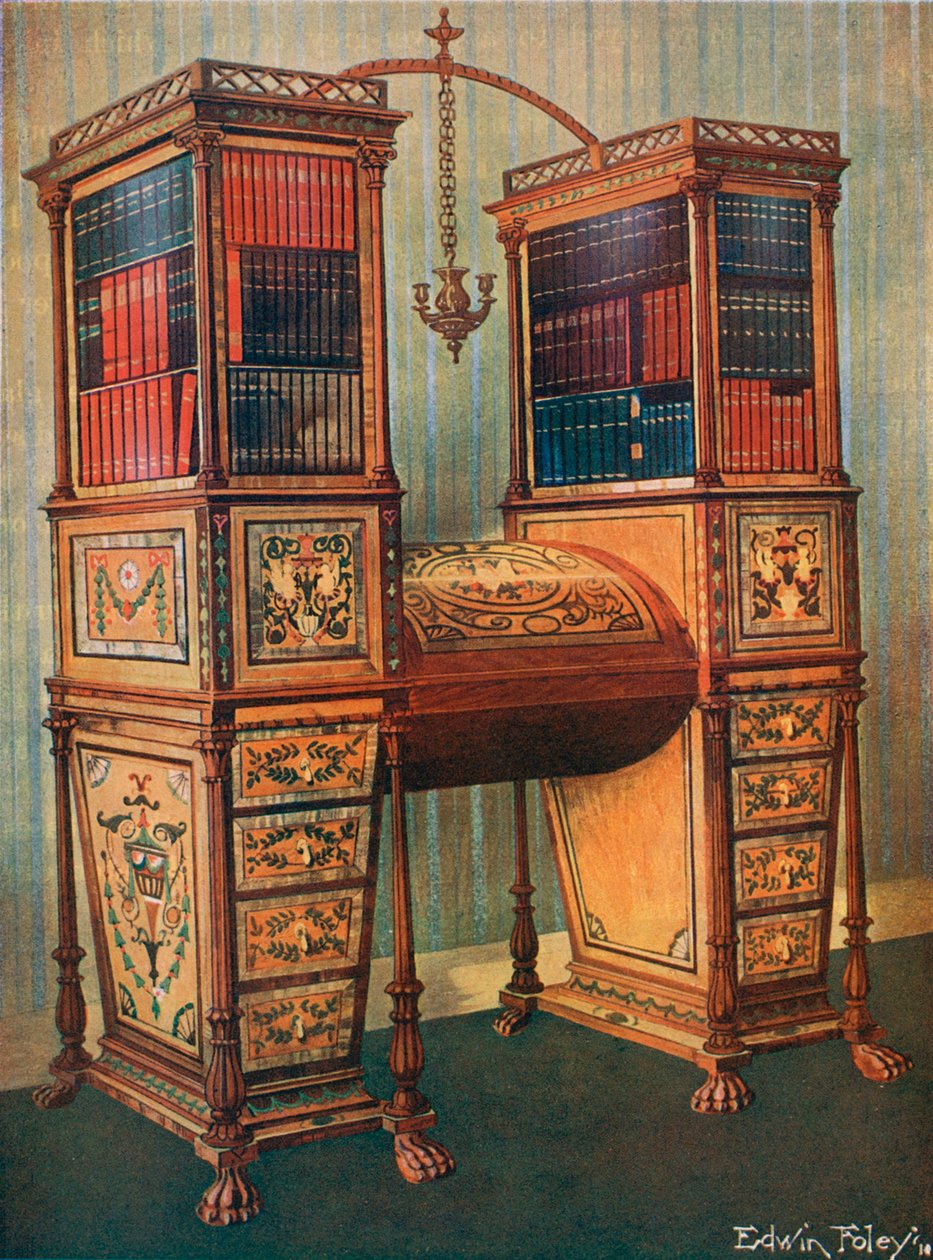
781	793
302	1024
293	765
782	723
314	848
780	946
780	871
319	932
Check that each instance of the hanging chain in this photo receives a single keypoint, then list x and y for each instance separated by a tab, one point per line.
447	172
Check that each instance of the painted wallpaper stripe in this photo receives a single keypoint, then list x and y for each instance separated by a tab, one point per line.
862	68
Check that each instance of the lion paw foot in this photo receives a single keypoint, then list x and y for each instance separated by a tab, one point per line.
721	1094
511	1020
53	1095
879	1063
421	1158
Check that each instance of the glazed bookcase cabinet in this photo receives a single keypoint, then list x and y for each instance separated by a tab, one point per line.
667	635
675	399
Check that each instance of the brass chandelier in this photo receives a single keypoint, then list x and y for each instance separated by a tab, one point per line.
452	317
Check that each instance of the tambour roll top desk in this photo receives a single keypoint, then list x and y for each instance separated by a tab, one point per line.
246	657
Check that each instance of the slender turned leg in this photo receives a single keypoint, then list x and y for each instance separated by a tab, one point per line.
70	1013
419	1157
227	1143
518	996
874	1061
723	1090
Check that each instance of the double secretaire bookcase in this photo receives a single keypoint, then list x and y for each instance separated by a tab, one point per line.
675	400
225	540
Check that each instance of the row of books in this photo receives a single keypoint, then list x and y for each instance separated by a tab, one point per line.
768	426
292	421
762	236
638	245
137	321
612	343
293	306
616	436
288	199
765	331
135	219
139	432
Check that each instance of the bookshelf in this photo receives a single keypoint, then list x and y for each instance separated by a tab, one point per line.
675	400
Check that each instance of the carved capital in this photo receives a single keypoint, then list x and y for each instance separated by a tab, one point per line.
54	202
826	199
699	188
511	236
60	725
715	710
394	724
215	745
849	702
201	140
375	156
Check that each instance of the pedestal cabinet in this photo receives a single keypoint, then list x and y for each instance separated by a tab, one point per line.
225	703
675	400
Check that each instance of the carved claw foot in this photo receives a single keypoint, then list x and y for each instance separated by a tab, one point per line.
231	1200
421	1158
721	1094
54	1094
511	1020
879	1063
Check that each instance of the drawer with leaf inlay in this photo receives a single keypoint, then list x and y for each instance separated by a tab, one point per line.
782	724
276	768
776	794
318	932
780	870
301	1024
311	849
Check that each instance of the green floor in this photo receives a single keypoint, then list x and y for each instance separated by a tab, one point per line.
569	1144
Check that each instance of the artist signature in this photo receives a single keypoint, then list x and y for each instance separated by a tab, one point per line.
832	1240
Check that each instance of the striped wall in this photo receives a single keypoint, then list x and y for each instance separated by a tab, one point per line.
862	68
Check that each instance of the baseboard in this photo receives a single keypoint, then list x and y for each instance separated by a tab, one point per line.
456	981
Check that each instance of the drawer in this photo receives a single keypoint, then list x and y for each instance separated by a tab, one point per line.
782	723
784	792
272	768
313	848
780	946
302	1024
780	870
318	932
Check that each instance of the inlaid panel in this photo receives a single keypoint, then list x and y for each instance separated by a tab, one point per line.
775	872
306	598
297	763
780	794
303	1024
129	595
321	846
316	933
778	723
773	948
138	818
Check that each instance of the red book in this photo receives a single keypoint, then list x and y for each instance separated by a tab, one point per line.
102	416
609	376
781	435
155	401
85	451
671	334
234	308
237	194
624	336
303	197
349	231
745	420
94	443
291	195
647	336
807	424
146	400
226	164
249	198
560	350
683	297
121	317
108	329
189	386
134	420
598	351
314	197
112	420
270	198
134	316
161	304
149	321
586	347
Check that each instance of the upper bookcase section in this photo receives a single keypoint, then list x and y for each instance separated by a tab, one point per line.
714	144
226	94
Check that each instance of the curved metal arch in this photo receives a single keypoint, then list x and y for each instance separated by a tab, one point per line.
429	65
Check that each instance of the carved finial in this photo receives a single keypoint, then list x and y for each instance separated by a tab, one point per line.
445	34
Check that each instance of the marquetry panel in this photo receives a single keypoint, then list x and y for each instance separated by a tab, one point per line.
776	947
318	932
139	824
782	723
317	847
781	870
295	764
781	793
303	1024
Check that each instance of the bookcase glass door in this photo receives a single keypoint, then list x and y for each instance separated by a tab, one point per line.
765	333
609	299
293	313
135	313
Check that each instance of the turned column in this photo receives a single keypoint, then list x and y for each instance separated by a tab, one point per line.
832	473
418	1156
202	141
375	156
523	942
700	189
226	1143
857	1024
70	1011
511	237
54	203
724	1090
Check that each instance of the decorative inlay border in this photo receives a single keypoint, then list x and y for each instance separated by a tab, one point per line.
685	1015
153	1084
